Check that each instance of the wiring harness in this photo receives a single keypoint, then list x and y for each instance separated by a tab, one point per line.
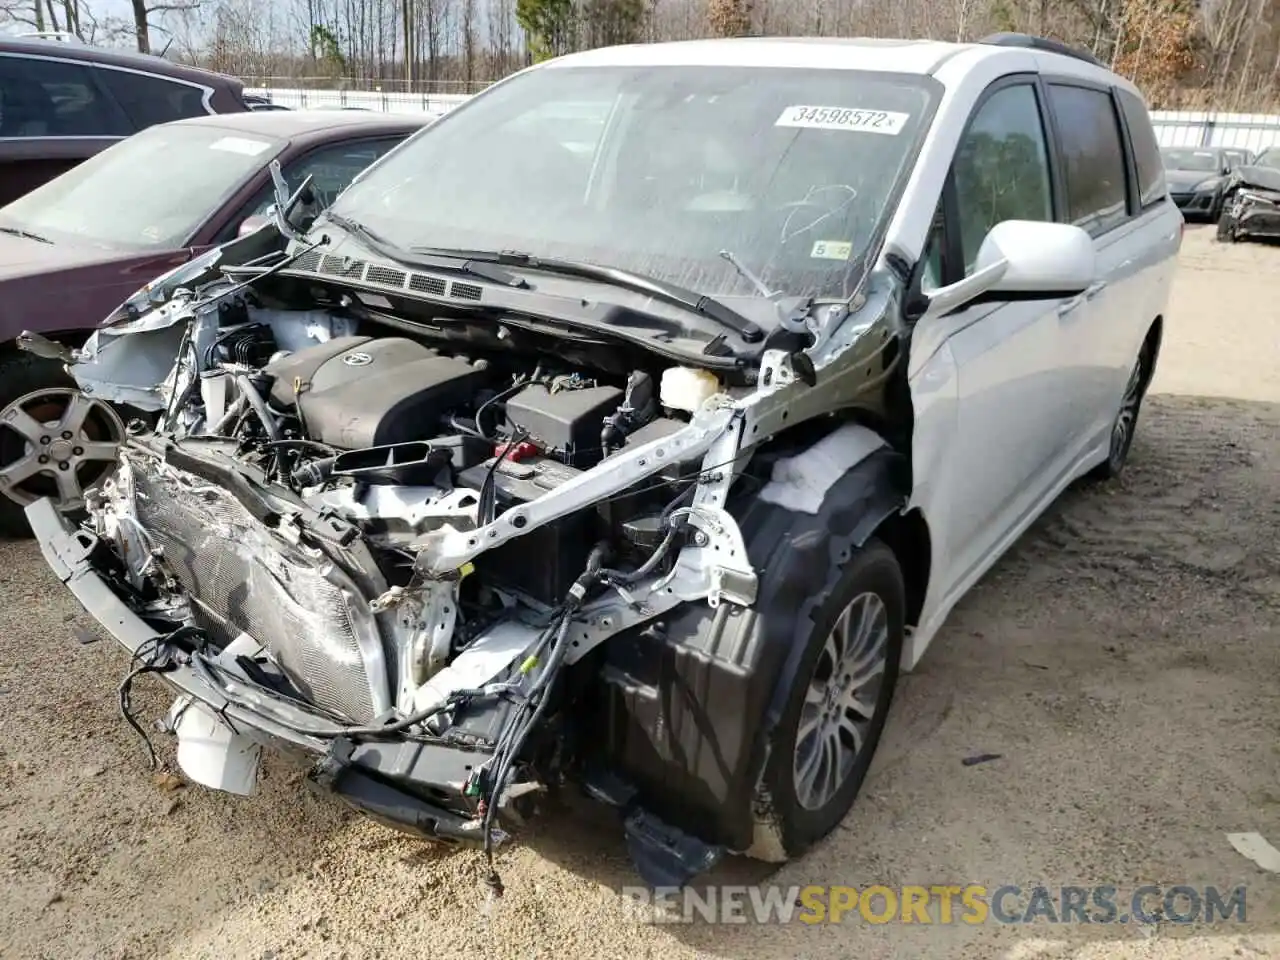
490	780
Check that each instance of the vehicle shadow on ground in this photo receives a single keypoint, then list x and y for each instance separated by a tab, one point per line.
1096	662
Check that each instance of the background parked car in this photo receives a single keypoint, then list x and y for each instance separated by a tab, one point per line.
255	101
73	249
1197	177
1251	200
61	103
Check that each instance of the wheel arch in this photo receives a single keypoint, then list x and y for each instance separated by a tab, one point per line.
691	703
907	535
1154	337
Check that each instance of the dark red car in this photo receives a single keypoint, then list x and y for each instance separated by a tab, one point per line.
61	103
72	250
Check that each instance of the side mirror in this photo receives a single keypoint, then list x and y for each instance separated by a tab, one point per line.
1022	260
1044	259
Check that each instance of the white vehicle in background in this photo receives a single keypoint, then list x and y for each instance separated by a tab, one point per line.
637	445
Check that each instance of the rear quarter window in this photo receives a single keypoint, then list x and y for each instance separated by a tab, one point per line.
1093	157
54	98
1146	150
147	99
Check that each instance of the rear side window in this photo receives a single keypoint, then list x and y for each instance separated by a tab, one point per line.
1146	151
148	99
53	98
1093	157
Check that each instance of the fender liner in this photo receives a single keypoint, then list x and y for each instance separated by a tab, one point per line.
686	706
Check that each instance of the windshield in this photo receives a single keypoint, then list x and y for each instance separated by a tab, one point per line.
1199	160
656	170
152	190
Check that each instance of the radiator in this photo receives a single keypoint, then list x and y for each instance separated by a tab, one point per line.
242	579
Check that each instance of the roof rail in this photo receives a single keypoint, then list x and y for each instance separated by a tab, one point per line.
1027	41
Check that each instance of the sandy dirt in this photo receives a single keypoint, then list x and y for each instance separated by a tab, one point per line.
1124	661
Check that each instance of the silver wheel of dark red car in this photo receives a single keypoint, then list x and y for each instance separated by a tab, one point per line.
56	443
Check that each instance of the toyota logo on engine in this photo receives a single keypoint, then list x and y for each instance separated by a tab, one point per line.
357	359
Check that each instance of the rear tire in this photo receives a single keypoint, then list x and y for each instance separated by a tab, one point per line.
1125	424
824	742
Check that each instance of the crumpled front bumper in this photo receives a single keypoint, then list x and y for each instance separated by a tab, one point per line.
1258	220
389	780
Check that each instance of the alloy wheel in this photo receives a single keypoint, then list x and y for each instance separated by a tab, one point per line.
60	443
840	701
1122	430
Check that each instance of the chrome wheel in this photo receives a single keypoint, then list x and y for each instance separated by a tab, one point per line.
840	701
1122	431
56	443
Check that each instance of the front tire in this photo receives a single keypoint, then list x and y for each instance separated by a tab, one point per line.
1226	232
54	442
836	710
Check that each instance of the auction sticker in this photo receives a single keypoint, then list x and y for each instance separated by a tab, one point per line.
843	118
831	250
241	145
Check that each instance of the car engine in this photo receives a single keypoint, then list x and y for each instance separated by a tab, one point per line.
394	437
290	488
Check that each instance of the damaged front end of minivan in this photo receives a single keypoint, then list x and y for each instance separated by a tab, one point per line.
458	550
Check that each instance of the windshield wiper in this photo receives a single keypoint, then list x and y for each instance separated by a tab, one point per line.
18	232
623	279
446	263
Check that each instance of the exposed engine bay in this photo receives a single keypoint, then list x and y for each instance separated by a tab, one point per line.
368	530
385	442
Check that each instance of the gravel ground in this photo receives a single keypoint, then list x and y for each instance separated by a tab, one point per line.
1122	660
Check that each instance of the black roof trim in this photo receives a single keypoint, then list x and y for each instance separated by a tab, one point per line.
1044	44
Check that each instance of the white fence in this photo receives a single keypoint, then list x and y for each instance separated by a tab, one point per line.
1174	128
1184	128
361	99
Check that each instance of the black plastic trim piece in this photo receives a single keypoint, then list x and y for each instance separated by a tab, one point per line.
663	855
685	710
1028	41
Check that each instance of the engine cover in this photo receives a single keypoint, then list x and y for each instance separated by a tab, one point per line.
355	392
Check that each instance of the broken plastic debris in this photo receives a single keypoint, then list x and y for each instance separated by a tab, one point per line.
1256	848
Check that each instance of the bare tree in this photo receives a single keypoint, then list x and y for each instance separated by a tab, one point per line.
1206	52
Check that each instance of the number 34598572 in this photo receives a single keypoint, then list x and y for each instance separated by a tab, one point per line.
843	118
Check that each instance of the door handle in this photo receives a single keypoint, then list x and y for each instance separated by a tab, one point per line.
1095	289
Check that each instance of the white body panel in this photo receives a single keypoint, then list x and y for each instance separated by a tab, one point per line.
1015	401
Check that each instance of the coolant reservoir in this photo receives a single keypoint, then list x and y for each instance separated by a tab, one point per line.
686	388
